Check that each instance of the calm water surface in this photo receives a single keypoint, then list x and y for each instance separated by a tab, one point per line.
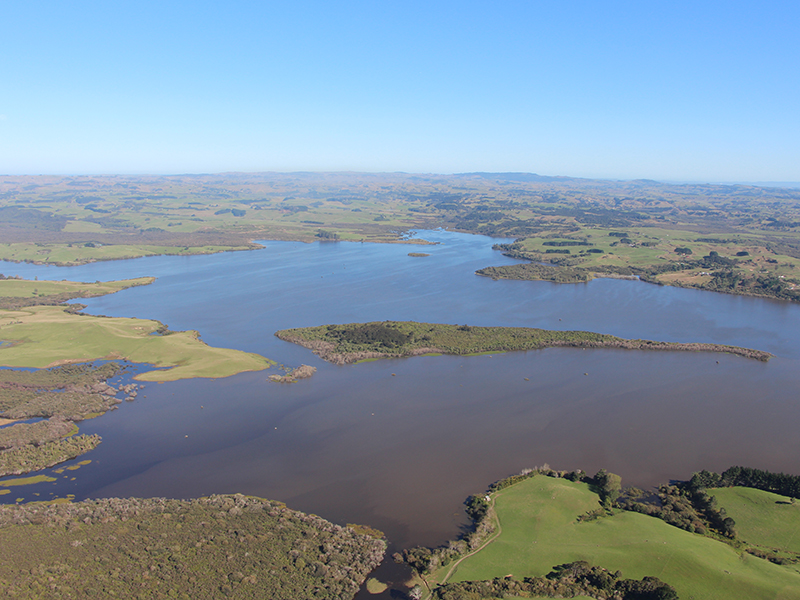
400	444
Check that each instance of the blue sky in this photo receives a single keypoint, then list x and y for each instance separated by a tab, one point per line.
680	91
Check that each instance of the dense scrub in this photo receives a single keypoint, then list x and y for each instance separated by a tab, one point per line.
26	459
65	394
779	483
216	547
35	434
72	392
358	341
564	581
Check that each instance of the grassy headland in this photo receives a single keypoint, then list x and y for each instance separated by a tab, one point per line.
216	547
39	332
530	523
353	342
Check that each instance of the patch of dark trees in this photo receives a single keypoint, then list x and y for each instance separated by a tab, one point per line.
689	505
777	483
564	581
376	334
562	243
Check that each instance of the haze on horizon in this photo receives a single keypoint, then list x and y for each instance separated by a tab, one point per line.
677	91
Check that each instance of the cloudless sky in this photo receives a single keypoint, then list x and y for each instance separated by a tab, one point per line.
692	91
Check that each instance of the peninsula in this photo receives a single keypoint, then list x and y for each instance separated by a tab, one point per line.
562	534
38	330
354	342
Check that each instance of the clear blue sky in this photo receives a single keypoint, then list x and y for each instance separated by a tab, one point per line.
696	91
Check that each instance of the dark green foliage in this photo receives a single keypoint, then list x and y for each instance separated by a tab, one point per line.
372	334
537	272
690	509
608	487
27	218
476	507
71	391
35	434
216	547
565	243
27	459
714	260
683	250
564	581
778	483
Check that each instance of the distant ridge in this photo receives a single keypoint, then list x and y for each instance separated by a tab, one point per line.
516	176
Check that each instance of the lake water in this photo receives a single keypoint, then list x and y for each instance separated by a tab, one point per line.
400	444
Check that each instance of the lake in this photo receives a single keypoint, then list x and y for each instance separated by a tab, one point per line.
399	444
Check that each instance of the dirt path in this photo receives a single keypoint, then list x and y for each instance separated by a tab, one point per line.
498	531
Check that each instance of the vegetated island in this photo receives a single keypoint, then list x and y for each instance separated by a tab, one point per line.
60	396
353	342
216	547
39	330
736	543
293	375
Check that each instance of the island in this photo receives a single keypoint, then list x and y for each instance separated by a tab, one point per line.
354	342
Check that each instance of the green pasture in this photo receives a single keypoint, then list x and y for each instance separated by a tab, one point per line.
762	518
45	336
23	288
540	530
73	254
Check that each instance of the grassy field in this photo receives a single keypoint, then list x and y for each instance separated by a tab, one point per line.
539	530
75	254
44	336
762	518
23	288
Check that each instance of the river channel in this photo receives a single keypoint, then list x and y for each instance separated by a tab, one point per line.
399	444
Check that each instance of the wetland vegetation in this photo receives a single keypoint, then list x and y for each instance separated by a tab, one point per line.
355	342
230	546
60	396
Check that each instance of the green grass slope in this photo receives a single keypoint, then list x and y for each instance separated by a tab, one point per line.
762	518
539	530
43	336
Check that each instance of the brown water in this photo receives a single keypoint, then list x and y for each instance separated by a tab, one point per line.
400	444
